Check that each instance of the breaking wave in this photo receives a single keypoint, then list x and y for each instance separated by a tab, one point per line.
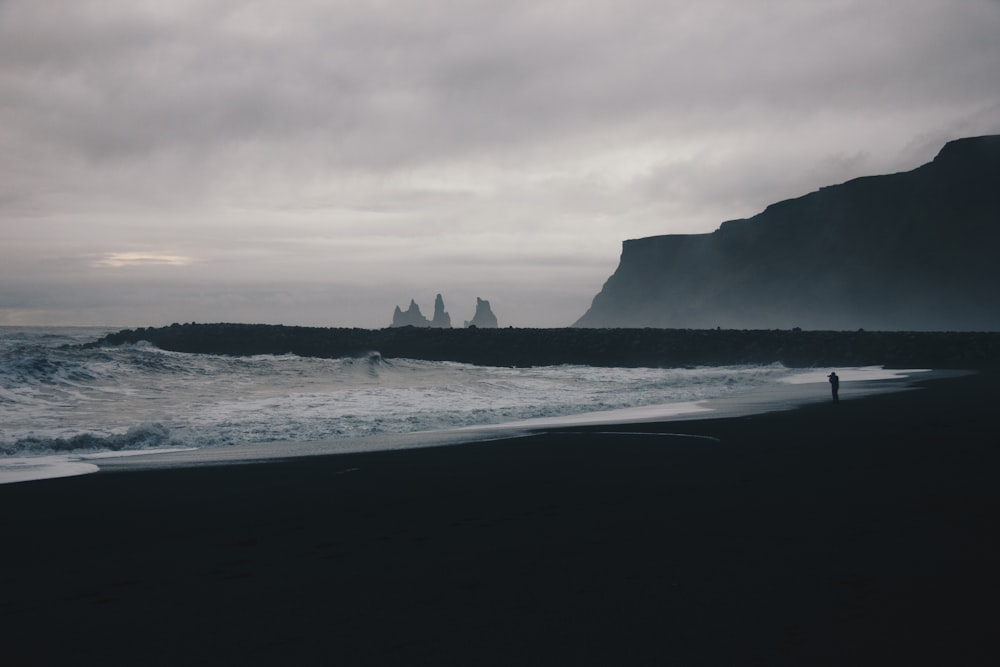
142	436
57	397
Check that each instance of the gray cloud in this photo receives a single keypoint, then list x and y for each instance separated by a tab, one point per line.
397	147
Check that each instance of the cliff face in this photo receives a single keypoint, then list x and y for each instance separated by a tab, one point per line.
917	250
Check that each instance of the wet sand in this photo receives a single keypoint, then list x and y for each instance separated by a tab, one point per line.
862	533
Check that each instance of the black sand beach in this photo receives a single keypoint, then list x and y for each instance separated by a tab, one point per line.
863	533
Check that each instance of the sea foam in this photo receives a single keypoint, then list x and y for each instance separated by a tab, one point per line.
57	397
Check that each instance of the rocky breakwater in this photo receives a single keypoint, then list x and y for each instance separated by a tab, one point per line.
595	347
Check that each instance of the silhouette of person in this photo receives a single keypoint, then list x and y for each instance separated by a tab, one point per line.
834	385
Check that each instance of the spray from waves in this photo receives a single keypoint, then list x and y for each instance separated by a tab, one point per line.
142	436
55	398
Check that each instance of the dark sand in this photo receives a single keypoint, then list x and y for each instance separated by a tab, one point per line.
864	533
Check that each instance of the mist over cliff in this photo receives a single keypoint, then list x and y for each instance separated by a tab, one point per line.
916	250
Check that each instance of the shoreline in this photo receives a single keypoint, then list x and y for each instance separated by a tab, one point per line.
860	533
792	392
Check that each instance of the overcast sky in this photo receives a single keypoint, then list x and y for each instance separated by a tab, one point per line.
319	162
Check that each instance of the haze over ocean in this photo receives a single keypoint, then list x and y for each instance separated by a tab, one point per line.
318	164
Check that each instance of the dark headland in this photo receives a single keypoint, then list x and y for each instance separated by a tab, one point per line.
910	251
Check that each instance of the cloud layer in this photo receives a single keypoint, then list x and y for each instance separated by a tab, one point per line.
319	162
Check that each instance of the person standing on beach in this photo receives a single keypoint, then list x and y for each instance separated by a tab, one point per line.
834	386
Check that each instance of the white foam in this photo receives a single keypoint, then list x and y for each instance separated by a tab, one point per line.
67	401
207	400
41	467
619	416
33	468
134	452
854	374
768	398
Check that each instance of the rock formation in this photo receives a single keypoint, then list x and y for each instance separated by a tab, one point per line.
484	317
910	251
442	319
412	317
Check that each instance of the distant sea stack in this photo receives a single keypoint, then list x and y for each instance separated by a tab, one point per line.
441	319
484	317
918	250
411	317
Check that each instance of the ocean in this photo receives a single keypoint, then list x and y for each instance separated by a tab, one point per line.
58	399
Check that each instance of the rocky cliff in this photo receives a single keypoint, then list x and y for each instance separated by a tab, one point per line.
911	251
